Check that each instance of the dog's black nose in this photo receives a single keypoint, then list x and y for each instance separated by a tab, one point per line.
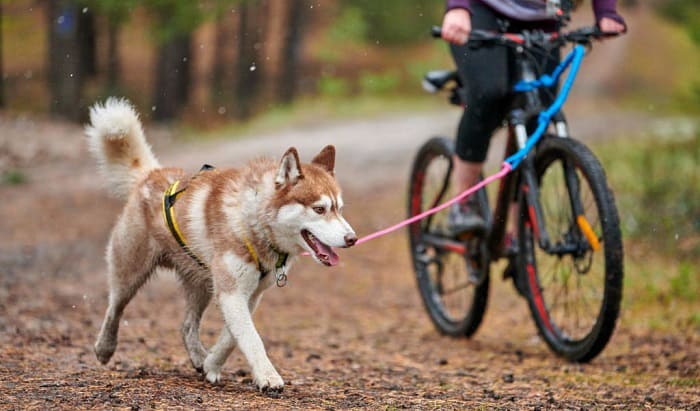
350	239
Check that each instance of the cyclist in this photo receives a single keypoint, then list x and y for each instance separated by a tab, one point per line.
487	76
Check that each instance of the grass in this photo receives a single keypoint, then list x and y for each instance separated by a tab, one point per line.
668	82
13	178
655	178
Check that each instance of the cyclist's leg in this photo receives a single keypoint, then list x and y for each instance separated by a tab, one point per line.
485	75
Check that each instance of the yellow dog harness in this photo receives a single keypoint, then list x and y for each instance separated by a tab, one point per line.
169	198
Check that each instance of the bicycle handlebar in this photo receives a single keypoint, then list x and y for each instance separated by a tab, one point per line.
583	35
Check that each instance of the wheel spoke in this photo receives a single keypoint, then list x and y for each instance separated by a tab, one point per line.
455	304
576	307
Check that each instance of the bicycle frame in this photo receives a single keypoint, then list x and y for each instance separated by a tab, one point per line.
517	148
519	144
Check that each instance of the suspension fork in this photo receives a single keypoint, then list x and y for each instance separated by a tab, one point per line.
529	190
573	185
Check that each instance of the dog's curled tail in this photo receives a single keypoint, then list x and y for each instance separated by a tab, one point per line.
116	140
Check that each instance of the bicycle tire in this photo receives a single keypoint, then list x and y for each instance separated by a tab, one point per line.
433	267
557	280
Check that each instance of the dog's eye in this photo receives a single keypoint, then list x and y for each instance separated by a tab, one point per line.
320	210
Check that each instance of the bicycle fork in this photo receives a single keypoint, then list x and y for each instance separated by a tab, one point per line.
529	188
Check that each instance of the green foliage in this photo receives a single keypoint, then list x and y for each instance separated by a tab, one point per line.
174	17
379	83
117	11
14	177
397	21
350	26
663	175
348	29
684	12
682	284
330	86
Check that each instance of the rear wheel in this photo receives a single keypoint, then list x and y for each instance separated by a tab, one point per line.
573	283
452	274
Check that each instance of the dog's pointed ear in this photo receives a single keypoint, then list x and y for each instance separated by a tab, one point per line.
326	159
289	171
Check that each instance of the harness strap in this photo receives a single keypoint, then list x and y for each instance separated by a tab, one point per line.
169	198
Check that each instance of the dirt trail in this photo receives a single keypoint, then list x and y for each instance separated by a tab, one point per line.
355	336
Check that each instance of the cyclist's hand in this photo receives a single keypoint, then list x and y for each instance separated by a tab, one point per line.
608	25
456	26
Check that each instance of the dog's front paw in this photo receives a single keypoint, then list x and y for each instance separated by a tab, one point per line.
212	372
213	376
269	382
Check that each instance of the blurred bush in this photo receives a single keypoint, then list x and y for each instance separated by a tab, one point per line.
656	184
397	21
332	86
686	13
380	83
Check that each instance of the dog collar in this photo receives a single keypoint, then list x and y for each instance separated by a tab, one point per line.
279	265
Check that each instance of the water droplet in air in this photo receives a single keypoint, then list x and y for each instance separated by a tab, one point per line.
252	67
85	10
153	108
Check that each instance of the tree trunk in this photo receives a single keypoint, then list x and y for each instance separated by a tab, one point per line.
291	52
2	73
112	55
172	77
251	35
87	38
64	65
224	49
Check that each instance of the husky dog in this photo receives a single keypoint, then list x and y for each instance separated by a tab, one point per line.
230	234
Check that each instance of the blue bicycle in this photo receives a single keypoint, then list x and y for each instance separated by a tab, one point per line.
569	264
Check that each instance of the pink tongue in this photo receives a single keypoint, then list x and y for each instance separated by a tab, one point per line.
324	251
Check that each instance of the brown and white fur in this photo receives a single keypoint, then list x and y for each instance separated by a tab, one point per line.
283	206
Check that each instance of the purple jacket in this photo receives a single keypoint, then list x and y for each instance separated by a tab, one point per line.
535	10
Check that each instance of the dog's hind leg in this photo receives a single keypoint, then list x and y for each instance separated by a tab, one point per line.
197	298
217	355
130	263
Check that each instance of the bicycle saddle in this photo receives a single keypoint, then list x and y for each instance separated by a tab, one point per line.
435	80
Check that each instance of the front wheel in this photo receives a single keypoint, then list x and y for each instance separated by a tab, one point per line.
573	281
452	275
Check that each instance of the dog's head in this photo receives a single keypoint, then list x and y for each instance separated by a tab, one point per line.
309	207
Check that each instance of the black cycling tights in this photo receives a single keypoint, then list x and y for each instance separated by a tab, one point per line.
488	75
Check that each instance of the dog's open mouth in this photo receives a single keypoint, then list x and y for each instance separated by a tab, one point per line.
323	252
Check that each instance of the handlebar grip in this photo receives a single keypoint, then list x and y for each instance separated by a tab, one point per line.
436	32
